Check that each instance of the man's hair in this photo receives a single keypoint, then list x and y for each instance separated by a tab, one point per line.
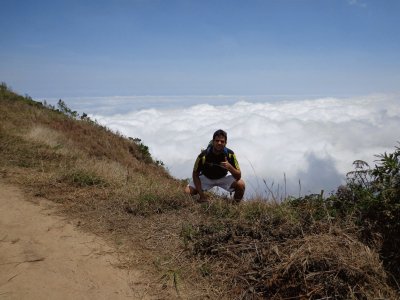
220	132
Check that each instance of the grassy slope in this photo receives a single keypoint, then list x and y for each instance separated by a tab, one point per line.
109	186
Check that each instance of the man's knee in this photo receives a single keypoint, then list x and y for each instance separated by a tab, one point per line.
240	185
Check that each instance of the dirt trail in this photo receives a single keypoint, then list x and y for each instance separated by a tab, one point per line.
42	256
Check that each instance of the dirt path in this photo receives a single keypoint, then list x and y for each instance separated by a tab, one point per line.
44	257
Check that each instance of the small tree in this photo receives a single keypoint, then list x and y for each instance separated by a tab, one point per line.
62	106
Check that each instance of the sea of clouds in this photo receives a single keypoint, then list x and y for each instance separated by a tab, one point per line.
287	147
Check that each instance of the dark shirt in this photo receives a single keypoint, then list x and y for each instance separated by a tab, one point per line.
208	163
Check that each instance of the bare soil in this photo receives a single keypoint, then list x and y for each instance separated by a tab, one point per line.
43	256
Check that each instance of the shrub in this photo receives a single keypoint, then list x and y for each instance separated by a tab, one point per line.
372	196
62	106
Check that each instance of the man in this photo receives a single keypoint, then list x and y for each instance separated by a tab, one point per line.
211	169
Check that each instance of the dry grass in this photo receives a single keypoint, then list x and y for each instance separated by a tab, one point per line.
254	250
47	136
265	255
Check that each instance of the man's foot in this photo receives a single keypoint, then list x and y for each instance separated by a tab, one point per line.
236	201
202	200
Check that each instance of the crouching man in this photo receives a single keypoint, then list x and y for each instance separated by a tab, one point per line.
211	169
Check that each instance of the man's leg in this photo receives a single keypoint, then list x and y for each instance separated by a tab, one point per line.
206	184
239	187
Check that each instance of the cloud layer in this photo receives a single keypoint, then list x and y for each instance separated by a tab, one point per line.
311	141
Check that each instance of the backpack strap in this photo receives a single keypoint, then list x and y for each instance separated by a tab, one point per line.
226	152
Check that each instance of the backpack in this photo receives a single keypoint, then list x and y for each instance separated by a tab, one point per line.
229	156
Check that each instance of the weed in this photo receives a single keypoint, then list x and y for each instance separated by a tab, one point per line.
82	178
254	210
172	276
221	209
205	270
187	233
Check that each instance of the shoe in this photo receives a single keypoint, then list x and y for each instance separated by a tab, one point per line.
202	200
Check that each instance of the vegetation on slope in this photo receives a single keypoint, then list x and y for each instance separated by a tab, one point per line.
310	247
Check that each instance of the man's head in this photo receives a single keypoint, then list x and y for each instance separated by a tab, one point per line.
219	140
220	133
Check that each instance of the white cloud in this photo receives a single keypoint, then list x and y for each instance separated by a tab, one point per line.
314	141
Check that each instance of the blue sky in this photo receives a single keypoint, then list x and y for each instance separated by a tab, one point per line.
100	48
303	87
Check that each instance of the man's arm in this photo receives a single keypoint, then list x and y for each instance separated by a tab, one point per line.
197	184
236	173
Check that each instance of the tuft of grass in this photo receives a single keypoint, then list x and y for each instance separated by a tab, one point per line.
82	178
172	277
110	171
187	233
220	209
254	211
45	135
152	201
148	202
205	270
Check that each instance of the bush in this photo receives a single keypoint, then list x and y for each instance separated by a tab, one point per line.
372	196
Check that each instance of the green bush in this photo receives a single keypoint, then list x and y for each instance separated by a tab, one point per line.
372	197
62	106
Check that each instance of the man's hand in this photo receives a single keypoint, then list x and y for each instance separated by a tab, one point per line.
235	172
226	165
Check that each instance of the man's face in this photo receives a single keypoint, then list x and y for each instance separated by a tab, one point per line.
219	143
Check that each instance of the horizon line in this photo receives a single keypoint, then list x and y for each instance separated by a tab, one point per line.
222	96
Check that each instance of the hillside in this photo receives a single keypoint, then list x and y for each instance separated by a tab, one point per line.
108	185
